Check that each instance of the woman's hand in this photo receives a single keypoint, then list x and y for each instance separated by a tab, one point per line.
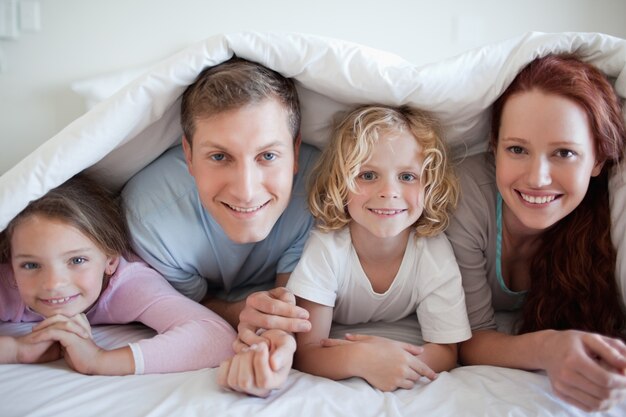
585	369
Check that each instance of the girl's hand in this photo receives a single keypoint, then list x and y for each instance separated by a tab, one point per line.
586	369
74	335
388	364
77	324
29	350
260	368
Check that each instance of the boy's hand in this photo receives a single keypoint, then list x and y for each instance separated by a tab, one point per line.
387	364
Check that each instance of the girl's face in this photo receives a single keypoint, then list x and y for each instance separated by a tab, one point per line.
390	195
545	158
57	268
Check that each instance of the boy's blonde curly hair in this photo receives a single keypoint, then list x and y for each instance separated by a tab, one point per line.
350	147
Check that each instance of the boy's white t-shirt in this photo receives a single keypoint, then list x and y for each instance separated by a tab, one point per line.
428	283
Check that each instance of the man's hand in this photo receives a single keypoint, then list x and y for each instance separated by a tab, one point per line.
273	309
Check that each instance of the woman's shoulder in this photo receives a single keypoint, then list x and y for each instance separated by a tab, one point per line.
479	169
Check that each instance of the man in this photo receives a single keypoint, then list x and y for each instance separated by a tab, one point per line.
225	214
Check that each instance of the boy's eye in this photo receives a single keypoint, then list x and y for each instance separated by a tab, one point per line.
268	156
78	260
367	176
407	177
29	265
218	157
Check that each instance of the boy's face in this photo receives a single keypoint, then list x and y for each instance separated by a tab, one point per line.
243	161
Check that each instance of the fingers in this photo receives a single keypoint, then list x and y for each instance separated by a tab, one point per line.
583	398
598	374
246	336
422	369
282	351
263	310
413	349
244	371
283	294
75	325
612	351
262	372
334	342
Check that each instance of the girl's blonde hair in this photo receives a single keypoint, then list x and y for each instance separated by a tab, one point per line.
351	146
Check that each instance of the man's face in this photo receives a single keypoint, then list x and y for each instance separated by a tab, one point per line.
243	161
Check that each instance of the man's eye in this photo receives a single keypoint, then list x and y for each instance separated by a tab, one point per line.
269	156
218	157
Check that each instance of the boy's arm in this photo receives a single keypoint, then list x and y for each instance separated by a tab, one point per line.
439	357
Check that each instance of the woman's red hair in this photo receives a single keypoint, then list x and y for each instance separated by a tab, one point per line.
573	282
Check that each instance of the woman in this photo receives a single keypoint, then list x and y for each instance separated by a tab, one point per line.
532	232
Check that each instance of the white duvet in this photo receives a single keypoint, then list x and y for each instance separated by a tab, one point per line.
125	132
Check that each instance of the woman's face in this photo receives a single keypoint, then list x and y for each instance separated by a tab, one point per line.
545	157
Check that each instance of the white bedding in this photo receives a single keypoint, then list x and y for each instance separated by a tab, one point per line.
54	390
125	132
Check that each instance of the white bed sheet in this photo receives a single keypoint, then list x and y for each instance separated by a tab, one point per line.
55	390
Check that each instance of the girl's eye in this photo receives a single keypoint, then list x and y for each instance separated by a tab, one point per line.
367	176
29	265
268	156
565	153
516	149
79	260
218	157
407	177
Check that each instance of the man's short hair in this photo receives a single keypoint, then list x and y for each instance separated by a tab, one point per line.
234	84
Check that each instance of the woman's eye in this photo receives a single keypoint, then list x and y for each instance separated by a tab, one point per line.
29	265
367	176
407	177
78	260
565	153
268	156
516	149
218	157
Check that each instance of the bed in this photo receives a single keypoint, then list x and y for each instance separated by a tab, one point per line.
131	124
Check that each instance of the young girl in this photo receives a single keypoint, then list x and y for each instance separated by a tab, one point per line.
381	192
533	232
68	270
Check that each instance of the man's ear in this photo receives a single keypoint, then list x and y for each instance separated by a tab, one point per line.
597	168
188	152
296	152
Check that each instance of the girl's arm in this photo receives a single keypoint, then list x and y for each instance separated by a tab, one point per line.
585	369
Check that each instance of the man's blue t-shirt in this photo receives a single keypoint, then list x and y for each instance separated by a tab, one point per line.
171	230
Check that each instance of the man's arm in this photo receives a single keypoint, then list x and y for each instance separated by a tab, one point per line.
228	310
